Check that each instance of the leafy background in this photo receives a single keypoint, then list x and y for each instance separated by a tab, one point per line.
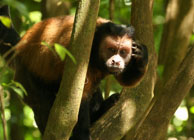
25	13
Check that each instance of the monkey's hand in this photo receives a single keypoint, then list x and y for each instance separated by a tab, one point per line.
139	55
136	68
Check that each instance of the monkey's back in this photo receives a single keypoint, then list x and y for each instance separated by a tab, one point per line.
38	58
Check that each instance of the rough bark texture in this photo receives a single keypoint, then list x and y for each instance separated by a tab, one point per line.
141	19
64	112
111	9
155	125
176	36
51	8
178	77
133	102
2	107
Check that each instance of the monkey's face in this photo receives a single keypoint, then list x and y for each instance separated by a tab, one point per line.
116	53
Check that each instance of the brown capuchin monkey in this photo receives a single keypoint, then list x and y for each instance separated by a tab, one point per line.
114	51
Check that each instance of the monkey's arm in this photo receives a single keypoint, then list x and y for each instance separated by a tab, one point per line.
136	68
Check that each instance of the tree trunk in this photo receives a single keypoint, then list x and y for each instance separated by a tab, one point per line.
52	8
64	113
177	77
176	36
143	94
170	97
133	102
17	129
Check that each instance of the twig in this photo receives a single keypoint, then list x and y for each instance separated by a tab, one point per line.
9	51
111	9
3	114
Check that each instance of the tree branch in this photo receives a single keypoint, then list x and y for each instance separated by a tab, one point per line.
66	105
177	32
52	8
133	102
168	101
2	107
176	35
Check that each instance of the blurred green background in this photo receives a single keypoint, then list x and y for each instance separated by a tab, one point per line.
19	117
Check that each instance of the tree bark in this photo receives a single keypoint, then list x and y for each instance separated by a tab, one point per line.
133	102
111	9
52	8
143	94
177	77
155	125
64	113
176	36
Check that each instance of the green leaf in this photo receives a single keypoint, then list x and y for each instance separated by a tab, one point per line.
49	46
6	21
192	39
18	91
17	5
6	75
192	109
45	44
160	70
18	85
62	52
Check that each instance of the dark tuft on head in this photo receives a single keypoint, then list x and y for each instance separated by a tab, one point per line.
116	29
107	29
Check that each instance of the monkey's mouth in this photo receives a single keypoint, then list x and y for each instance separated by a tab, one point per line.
115	70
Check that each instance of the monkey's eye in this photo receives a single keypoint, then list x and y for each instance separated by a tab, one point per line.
123	52
112	50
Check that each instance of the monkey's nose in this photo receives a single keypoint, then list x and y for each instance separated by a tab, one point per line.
116	63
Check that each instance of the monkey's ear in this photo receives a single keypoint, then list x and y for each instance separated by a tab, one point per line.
131	31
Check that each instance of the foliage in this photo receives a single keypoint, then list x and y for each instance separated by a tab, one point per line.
27	120
6	21
28	12
61	51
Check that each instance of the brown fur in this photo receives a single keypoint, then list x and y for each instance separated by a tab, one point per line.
40	70
37	57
